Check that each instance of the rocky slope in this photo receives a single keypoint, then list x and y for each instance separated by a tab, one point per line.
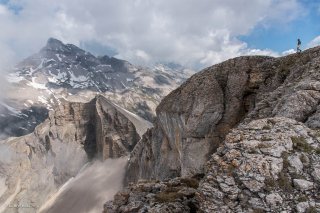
262	113
66	72
34	166
268	165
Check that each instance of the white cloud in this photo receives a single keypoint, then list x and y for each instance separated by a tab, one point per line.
3	10
314	42
191	33
288	52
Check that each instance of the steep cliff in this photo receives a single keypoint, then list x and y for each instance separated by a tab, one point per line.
267	165
34	166
193	120
262	113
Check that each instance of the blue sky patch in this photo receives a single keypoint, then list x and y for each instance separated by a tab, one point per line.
282	38
15	8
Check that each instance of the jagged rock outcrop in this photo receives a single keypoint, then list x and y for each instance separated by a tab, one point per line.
175	195
193	120
298	95
269	163
34	166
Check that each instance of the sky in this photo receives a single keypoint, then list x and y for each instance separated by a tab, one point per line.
193	33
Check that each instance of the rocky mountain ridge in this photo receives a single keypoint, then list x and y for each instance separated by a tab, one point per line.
240	136
65	72
35	166
249	126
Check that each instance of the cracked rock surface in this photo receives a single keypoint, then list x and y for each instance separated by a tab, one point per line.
256	169
250	126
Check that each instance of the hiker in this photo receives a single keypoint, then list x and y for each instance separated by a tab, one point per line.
298	45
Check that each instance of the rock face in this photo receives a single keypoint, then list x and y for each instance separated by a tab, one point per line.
262	113
193	120
101	127
267	165
176	195
34	166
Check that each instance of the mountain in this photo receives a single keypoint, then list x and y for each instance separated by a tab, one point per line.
240	136
65	72
71	142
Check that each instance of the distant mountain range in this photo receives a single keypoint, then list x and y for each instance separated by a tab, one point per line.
64	71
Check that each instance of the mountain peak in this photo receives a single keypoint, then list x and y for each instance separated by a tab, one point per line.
57	46
52	42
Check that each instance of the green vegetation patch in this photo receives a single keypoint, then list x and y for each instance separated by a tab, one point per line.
166	196
285	183
301	144
270	184
302	198
285	156
258	211
312	209
190	182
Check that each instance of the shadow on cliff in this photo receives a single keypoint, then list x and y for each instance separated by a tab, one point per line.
88	191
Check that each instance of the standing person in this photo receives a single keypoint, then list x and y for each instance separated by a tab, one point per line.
298	45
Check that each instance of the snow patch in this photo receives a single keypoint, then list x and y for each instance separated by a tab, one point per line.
14	78
79	78
36	85
58	56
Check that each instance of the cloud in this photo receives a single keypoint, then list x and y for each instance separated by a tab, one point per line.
193	34
90	189
288	52
7	155
314	42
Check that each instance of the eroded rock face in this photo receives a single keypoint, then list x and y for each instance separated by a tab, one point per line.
298	95
256	170
34	166
117	130
102	128
269	163
193	120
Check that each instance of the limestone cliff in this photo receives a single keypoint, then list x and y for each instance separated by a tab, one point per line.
249	125
34	166
267	165
193	120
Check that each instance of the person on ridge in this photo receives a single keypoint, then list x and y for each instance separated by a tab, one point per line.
298	45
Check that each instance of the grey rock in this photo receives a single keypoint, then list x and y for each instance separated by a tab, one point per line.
302	207
258	171
316	173
296	163
175	195
274	199
303	185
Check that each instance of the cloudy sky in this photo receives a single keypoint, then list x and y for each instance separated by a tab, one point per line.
195	33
